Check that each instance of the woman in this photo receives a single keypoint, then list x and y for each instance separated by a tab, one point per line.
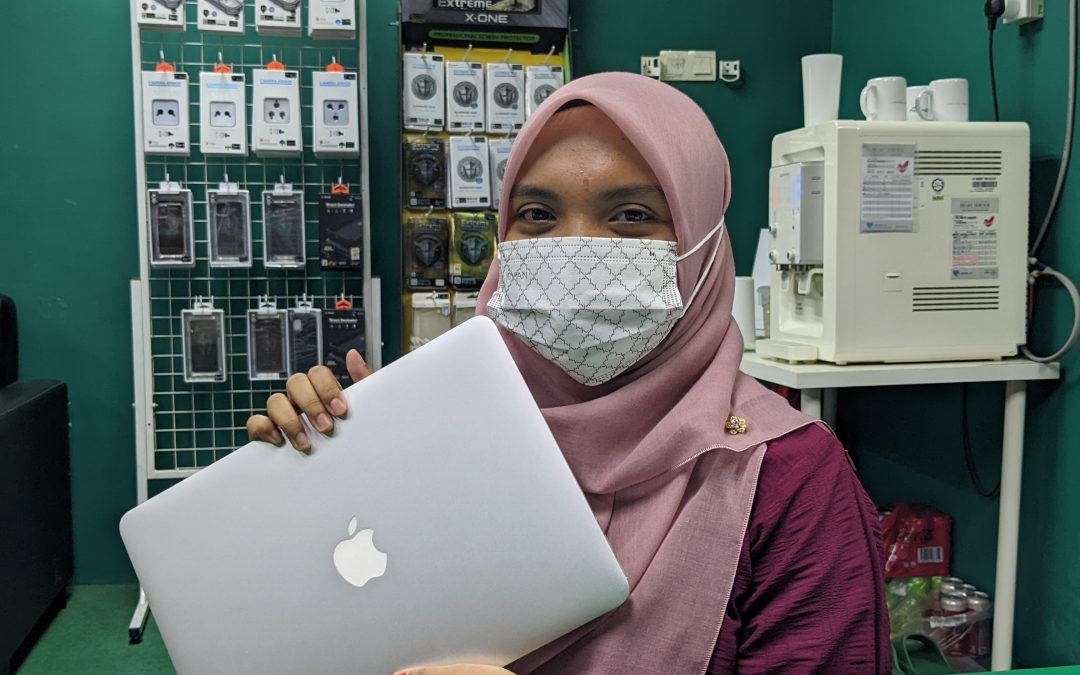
748	542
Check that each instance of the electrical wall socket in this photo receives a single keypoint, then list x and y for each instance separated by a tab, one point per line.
167	15
730	71
332	19
1022	11
688	66
278	17
221	16
165	113
222	114
335	102
275	127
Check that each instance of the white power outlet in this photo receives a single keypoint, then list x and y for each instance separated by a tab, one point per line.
1022	11
166	112
730	71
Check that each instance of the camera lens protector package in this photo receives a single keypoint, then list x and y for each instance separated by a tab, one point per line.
463	309
165	112
499	149
505	97
424	80
425	177
332	19
278	17
203	338
171	227
465	96
283	227
427	244
540	82
429	318
228	221
336	131
275	109
222	113
343	331
268	342
472	248
341	232
305	337
221	16
161	15
470	183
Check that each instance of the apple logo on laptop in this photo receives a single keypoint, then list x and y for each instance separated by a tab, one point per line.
356	559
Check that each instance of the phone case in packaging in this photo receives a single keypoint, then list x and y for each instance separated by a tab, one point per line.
540	82
341	232
305	338
268	344
505	97
171	227
465	99
203	340
472	248
426	249
343	330
499	149
425	172
228	211
470	180
424	80
283	227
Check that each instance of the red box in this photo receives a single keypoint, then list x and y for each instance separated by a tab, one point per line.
916	539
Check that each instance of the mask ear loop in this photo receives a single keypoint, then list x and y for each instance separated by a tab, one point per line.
708	266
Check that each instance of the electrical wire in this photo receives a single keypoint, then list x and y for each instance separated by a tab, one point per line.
1066	154
969	455
993	78
1075	297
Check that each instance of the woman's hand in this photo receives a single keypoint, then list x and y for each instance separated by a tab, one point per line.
458	669
316	394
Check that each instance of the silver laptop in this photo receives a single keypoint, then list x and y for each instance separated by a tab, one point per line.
439	524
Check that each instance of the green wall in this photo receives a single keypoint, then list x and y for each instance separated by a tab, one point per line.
907	442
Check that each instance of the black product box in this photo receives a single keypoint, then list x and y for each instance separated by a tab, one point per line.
425	178
426	252
535	25
343	330
341	232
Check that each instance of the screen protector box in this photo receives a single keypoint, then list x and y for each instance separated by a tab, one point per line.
341	232
533	25
917	541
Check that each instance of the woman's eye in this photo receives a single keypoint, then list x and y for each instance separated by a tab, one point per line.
535	215
633	216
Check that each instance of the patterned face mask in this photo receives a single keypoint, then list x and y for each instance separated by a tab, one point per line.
593	305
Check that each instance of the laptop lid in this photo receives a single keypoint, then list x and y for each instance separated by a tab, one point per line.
439	524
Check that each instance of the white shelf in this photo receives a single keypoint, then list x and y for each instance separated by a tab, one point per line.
822	375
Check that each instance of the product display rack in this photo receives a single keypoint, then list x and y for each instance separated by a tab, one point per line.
182	427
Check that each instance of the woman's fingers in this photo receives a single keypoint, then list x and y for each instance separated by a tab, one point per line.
328	389
304	397
356	366
283	415
261	428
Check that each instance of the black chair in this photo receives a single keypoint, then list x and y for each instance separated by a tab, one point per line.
36	560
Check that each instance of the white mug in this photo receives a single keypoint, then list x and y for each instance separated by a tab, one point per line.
915	113
742	310
885	99
821	88
946	100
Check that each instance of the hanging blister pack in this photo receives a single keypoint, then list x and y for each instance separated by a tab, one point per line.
425	172
424	81
470	182
221	16
222	112
283	227
336	129
472	248
203	338
165	112
332	19
343	331
275	106
278	18
228	224
171	229
160	15
499	150
305	336
540	82
341	230
426	251
505	97
268	341
465	100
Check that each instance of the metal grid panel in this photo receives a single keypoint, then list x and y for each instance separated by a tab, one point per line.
193	425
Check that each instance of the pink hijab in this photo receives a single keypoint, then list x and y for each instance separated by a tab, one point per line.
670	486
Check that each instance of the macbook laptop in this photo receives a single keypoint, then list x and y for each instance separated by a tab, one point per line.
439	524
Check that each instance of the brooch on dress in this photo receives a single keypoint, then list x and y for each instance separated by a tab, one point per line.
736	425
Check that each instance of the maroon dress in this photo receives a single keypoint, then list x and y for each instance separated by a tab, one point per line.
808	595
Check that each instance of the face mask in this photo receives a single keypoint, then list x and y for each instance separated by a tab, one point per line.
593	305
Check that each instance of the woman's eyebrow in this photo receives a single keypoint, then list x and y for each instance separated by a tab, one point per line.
630	191
534	192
